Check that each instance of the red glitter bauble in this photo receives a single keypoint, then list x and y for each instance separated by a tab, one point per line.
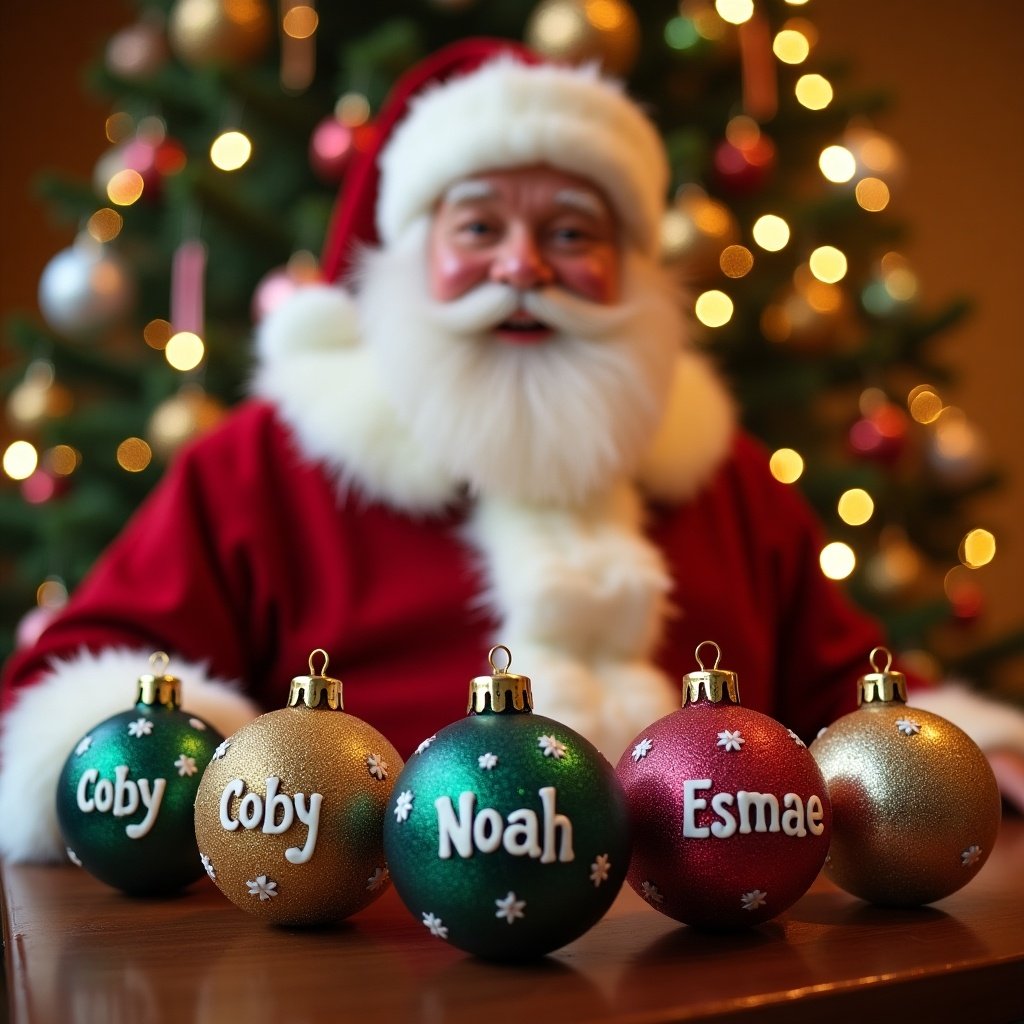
730	813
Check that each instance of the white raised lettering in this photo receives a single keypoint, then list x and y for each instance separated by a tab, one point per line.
724	828
310	816
455	831
552	823
487	830
235	788
103	794
522	836
275	800
815	812
151	798
86	804
250	810
126	793
746	802
793	816
691	805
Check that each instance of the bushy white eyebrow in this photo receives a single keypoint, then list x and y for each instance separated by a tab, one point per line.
467	191
583	200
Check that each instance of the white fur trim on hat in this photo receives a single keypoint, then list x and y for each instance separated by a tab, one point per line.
508	114
52	715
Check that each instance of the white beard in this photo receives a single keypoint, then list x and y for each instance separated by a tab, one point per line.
554	423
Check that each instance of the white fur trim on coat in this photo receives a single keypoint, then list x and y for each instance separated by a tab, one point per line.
993	725
49	717
507	114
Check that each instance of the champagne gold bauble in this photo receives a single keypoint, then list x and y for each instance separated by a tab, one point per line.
219	33
915	806
290	812
585	30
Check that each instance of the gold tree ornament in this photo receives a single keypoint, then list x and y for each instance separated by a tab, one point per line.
219	33
915	806
578	31
290	811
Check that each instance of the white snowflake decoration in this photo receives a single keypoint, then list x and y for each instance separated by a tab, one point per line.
970	856
197	723
433	924
208	866
263	887
642	749
730	740
651	893
551	747
140	727
403	805
377	767
73	857
185	765
222	749
426	743
907	726
83	745
796	739
487	761
754	899
377	879
510	908
599	869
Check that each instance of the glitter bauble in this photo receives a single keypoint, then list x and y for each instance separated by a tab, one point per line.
84	289
730	813
220	33
125	794
915	805
507	833
577	31
291	808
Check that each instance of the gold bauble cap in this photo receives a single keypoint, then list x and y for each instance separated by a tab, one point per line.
502	691
316	689
883	686
715	685
159	688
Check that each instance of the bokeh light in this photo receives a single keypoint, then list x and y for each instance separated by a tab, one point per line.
105	225
736	261
184	351
125	187
978	548
837	163
20	460
813	91
791	46
837	560
855	506
736	12
299	22
786	465
134	455
230	151
157	333
828	264
771	232
924	403
713	308
872	194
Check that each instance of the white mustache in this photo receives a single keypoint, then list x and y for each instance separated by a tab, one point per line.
488	305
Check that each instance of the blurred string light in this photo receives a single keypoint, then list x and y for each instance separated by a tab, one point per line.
897	563
793	43
786	465
157	333
105	225
813	91
125	187
736	261
978	548
231	150
134	455
837	163
118	127
184	351
300	21
893	285
20	460
681	33
855	506
771	232
735	12
352	109
714	308
62	459
52	593
828	264
837	560
924	403
872	194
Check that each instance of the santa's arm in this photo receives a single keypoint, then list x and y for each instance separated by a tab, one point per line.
162	585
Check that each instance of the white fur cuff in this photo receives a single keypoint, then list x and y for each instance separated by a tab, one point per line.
50	716
992	724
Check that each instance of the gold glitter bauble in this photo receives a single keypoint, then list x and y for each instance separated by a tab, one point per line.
915	806
220	33
184	416
584	30
290	811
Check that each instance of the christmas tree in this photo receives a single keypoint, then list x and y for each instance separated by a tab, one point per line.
231	124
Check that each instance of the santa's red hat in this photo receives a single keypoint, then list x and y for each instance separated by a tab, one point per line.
486	104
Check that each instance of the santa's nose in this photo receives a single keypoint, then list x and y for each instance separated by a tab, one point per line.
520	263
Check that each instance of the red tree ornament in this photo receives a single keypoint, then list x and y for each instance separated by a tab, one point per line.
730	813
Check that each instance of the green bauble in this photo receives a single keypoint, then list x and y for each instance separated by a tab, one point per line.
507	832
125	794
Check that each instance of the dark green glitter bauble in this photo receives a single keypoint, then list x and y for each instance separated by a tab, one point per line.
125	796
507	834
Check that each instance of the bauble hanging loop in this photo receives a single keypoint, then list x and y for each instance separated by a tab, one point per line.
885	684
502	690
710	684
317	688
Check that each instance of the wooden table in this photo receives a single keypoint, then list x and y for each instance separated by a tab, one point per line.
78	953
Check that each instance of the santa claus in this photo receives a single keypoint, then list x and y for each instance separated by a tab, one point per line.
488	428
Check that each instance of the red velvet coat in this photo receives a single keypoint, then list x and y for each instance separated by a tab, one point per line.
245	556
